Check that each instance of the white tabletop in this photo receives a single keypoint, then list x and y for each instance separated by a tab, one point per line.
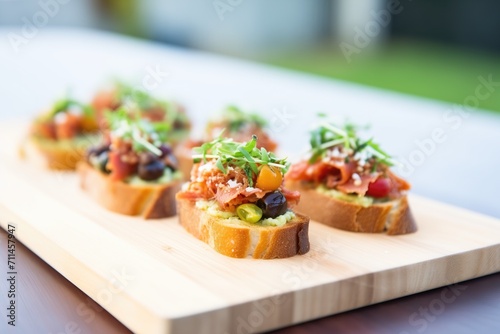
462	170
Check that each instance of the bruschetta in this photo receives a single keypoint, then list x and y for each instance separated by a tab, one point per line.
60	136
133	171
347	183
150	108
237	204
233	123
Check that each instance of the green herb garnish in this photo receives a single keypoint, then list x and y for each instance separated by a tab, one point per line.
244	155
143	101
236	118
128	94
144	135
66	104
328	135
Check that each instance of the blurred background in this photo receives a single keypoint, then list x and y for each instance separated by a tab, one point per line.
434	49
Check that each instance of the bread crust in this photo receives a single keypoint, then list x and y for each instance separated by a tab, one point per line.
185	160
393	217
52	155
240	241
150	201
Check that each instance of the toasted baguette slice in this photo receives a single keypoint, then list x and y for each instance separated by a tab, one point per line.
184	157
57	155
245	240
393	217
150	201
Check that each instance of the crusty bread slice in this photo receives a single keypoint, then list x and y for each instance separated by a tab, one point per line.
150	201
184	157
53	154
242	240
393	217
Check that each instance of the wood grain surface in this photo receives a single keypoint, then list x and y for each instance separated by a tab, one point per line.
156	278
49	303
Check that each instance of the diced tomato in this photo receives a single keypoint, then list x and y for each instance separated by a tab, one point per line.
119	169
104	100
380	188
155	114
68	127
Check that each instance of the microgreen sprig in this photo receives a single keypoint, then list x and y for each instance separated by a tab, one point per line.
245	155
129	94
68	104
328	135
144	135
143	101
236	118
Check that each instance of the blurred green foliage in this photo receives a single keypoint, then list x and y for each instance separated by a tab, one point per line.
428	70
123	16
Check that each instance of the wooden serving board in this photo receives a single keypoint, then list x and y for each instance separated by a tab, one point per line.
156	278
